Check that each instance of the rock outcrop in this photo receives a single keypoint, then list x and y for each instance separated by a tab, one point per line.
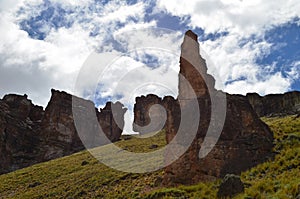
29	135
275	104
244	140
19	136
111	120
59	133
151	113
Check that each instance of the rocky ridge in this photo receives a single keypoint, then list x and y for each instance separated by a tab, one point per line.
275	104
29	134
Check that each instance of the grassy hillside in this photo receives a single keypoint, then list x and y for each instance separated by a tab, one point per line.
82	176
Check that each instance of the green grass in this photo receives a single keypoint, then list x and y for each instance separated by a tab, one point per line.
279	178
82	176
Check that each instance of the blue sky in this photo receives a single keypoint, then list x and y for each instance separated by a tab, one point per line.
250	46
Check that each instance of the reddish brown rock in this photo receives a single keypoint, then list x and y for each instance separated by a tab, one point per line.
244	140
29	135
111	120
19	135
149	114
60	136
275	104
59	129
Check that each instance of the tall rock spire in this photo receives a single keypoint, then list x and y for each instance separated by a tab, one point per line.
193	77
228	137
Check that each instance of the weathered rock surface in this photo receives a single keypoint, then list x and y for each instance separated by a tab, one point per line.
245	140
151	112
111	120
29	135
275	104
59	133
19	135
230	186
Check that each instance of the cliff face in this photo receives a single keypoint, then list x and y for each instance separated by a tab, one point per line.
111	120
244	140
29	135
59	133
19	132
275	104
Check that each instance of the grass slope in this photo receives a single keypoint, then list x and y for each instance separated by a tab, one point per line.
82	176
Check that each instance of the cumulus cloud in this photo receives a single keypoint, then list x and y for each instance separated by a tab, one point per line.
233	61
245	17
44	45
147	64
273	84
34	66
148	59
234	55
294	72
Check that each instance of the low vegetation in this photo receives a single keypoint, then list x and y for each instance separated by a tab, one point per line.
82	176
278	178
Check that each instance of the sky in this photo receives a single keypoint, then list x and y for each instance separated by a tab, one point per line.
249	46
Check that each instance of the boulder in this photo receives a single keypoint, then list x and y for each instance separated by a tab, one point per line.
231	185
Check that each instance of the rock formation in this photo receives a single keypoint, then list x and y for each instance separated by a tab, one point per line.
150	115
111	120
58	127
19	135
244	141
275	104
29	135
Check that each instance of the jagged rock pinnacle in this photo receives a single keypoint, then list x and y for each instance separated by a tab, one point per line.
192	35
242	142
193	70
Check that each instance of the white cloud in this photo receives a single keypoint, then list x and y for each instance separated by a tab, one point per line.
14	5
122	13
151	58
34	66
68	3
245	16
234	65
294	72
125	76
232	61
273	84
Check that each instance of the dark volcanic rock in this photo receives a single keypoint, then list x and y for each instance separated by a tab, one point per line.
275	104
29	135
230	186
244	142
